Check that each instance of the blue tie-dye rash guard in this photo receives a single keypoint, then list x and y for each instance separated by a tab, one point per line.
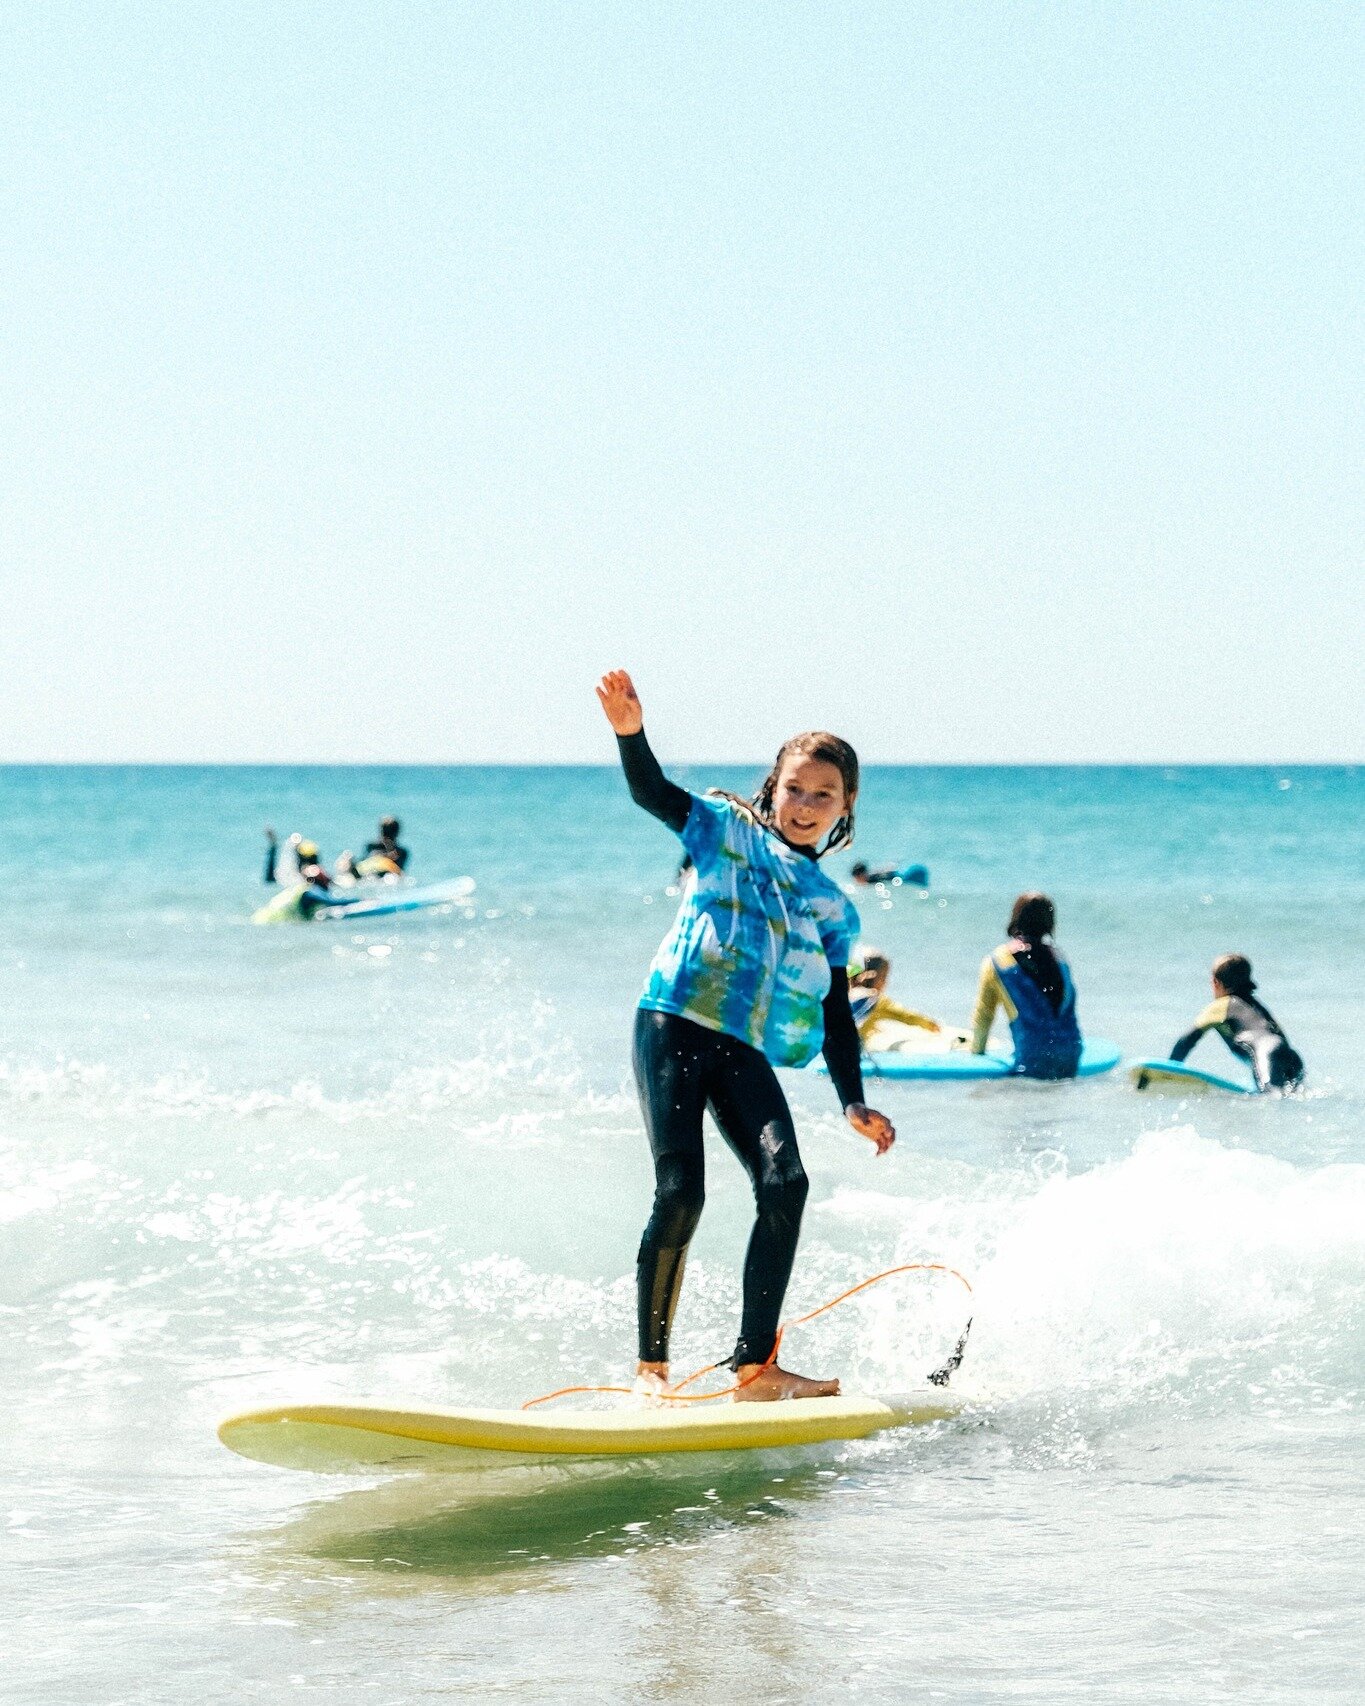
759	927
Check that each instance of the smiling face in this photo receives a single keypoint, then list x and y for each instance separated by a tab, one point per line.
808	800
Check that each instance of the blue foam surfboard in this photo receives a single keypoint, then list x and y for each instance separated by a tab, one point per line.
399	900
1177	1075
1096	1056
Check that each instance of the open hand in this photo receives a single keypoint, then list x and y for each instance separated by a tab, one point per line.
618	698
868	1123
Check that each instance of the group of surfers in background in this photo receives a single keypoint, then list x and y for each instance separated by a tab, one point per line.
1030	980
755	974
304	883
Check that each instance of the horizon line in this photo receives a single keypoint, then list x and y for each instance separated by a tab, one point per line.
689	763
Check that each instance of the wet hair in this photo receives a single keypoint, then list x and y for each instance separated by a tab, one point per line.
389	826
828	749
1233	971
1033	917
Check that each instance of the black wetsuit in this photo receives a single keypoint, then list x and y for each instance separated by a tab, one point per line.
681	1069
1253	1035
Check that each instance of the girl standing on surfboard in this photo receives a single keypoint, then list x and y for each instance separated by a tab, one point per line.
754	973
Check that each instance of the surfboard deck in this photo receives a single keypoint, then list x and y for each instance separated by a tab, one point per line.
1176	1075
1097	1056
364	1437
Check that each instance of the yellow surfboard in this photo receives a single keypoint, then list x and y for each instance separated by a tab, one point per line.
361	1438
1175	1075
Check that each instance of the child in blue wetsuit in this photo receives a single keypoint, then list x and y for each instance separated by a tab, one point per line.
754	973
1032	982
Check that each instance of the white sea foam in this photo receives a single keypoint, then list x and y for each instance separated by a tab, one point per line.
42	1189
99	1092
1185	1270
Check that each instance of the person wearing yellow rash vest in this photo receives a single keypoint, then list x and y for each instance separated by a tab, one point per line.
305	886
885	1025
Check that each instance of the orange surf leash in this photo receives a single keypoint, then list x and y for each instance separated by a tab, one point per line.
676	1395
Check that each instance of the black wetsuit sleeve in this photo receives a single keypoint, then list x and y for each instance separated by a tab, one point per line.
269	862
1186	1043
648	785
843	1052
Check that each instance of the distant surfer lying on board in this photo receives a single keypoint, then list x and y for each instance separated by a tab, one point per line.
304	884
753	973
1248	1028
1032	982
916	875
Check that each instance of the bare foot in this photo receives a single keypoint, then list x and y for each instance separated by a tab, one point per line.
763	1385
651	1383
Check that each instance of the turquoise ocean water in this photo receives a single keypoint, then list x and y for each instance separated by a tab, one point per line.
241	1164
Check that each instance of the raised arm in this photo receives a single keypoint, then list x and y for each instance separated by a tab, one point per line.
648	785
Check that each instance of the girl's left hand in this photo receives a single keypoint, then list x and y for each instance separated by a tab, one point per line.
868	1123
618	698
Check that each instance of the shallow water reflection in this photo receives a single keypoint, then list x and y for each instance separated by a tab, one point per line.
475	1529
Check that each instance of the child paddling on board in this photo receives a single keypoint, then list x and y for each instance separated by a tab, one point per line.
754	973
1248	1027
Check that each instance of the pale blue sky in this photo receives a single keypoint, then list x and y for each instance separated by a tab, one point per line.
982	381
